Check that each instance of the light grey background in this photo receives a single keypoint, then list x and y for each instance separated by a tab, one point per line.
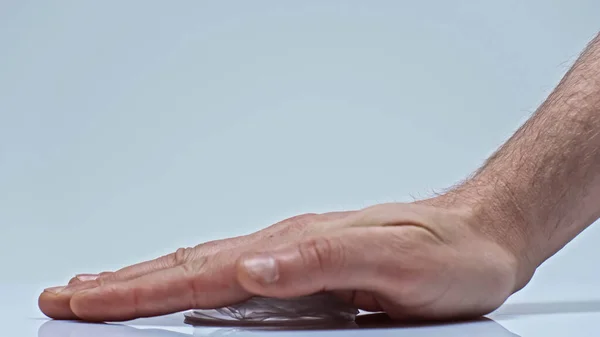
130	128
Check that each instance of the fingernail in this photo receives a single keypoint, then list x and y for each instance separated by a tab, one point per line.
86	277
262	268
54	290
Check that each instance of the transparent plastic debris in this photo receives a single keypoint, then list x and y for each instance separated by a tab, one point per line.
308	310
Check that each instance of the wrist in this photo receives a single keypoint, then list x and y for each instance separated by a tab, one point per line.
499	218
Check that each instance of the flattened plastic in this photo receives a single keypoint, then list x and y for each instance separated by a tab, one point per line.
308	310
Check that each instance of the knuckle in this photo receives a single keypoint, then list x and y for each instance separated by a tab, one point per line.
187	270
190	270
321	253
290	226
105	277
136	303
181	256
301	220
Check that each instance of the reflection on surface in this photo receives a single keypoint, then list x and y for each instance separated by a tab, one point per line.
80	329
377	324
564	307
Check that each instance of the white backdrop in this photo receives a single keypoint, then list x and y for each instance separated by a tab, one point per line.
130	128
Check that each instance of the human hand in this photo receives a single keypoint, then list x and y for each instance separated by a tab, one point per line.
411	260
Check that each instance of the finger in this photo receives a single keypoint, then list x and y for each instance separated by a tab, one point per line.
54	302
180	256
58	307
347	259
202	283
85	277
184	255
176	258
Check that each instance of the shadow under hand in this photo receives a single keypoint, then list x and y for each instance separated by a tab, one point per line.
166	320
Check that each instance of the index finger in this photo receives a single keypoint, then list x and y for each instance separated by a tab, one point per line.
203	283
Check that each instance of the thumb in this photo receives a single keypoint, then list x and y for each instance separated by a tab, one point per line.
348	259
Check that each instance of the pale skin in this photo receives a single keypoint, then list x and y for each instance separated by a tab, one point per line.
460	254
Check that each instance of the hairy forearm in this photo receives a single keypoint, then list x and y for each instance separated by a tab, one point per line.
542	188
